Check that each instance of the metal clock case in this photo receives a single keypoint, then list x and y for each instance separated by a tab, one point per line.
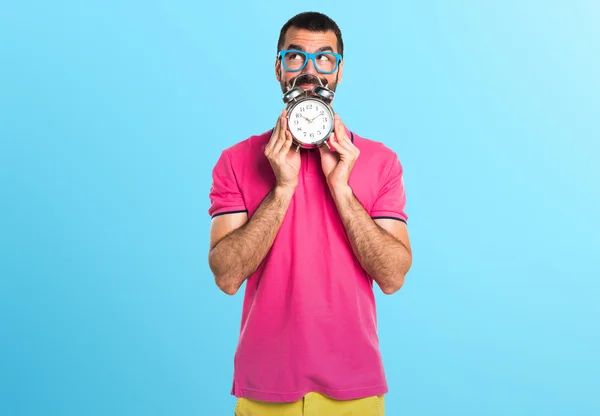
310	115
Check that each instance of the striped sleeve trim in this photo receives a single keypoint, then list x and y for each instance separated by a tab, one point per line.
229	212
390	218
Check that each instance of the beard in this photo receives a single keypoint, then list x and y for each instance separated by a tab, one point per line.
307	79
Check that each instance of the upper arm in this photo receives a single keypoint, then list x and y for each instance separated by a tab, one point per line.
227	205
388	211
390	202
223	225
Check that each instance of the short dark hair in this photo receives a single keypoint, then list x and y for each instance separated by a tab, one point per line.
315	22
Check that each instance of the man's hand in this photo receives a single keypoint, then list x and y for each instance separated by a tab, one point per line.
285	163
381	246
338	162
238	244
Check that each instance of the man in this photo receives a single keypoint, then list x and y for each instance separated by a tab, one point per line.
309	232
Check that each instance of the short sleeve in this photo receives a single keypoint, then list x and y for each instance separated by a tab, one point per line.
225	195
391	198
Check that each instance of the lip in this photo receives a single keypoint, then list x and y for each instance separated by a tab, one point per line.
307	86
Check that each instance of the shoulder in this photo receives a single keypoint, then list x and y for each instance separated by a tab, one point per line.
236	156
247	148
373	152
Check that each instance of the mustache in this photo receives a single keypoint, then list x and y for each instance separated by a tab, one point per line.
308	79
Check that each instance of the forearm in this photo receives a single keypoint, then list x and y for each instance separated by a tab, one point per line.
239	254
385	258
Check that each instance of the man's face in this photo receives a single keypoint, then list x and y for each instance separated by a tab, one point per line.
311	42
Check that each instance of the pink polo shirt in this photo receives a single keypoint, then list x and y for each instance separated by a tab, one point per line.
309	322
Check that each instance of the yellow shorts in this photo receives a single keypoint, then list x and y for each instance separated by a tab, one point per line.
313	404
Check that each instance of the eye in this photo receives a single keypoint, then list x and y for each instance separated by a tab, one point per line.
324	57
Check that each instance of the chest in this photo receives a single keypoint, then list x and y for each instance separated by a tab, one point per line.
257	180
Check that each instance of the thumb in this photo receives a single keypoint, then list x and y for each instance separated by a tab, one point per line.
325	148
328	145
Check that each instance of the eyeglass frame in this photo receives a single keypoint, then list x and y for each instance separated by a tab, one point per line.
312	57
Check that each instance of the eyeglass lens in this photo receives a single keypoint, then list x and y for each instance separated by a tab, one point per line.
324	62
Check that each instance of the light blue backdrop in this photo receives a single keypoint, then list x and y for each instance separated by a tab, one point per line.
112	114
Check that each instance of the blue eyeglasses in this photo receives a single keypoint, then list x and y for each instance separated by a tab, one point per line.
324	62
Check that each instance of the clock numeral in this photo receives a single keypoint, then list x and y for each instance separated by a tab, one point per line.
324	127
309	106
312	135
325	120
304	134
298	115
318	132
299	129
322	112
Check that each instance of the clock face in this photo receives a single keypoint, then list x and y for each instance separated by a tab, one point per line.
310	121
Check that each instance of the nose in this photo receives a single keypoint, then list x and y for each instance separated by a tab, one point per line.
309	68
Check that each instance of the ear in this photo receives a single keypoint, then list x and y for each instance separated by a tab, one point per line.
341	72
278	70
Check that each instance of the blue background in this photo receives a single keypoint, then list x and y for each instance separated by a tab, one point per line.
112	115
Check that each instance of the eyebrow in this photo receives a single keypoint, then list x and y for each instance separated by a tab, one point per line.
300	48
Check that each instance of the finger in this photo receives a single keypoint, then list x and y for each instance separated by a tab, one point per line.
340	135
339	129
333	142
287	145
330	141
323	150
272	139
345	145
278	144
327	152
338	146
274	135
343	137
282	136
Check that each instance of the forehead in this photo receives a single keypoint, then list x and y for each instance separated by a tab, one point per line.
310	41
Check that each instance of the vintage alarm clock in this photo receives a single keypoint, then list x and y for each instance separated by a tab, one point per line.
310	116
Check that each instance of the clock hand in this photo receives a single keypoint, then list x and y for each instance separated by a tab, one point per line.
315	117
